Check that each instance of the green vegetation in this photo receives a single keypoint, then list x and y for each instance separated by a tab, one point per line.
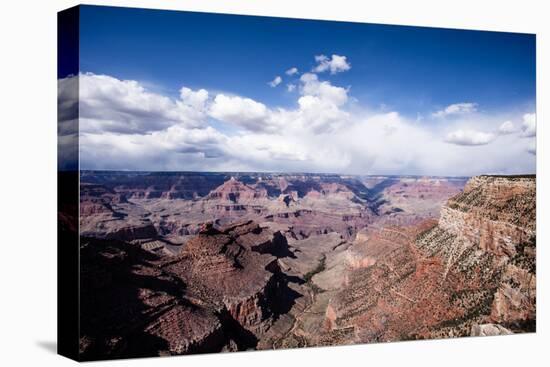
525	255
320	267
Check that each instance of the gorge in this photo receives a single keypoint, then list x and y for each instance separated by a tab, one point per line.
180	263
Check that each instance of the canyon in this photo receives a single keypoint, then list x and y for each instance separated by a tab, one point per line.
190	262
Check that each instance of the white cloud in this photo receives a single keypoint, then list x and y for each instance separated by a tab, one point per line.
378	143
275	82
311	86
335	64
529	130
292	71
456	109
319	116
320	105
67	100
290	87
529	126
319	110
243	112
194	99
125	106
532	148
134	128
469	137
267	148
507	127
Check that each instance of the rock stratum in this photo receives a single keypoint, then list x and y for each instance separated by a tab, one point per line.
221	292
195	263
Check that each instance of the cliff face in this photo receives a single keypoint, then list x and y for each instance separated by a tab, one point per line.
127	206
223	291
131	308
234	191
223	269
493	213
497	216
154	185
473	273
102	216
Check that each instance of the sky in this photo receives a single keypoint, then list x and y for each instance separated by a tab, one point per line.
181	91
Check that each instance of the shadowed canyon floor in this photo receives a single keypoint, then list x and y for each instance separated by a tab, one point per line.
179	263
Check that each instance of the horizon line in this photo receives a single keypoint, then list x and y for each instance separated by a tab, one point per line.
304	173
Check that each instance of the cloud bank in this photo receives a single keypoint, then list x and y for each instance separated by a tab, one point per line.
125	126
529	126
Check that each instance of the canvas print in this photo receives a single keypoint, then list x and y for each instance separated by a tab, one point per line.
234	183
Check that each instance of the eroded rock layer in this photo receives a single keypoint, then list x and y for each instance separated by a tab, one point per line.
195	263
223	291
475	267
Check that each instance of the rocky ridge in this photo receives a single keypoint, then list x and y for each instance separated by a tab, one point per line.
439	279
223	292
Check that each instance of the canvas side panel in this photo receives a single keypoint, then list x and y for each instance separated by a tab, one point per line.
68	183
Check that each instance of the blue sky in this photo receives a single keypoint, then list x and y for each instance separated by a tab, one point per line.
411	68
457	87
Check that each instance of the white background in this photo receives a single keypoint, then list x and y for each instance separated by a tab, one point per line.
28	181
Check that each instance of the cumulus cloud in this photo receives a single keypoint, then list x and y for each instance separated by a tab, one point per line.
108	104
290	87
334	64
67	124
507	127
194	99
275	82
125	106
134	128
529	125
469	137
243	112
324	90
456	109
319	109
292	71
320	105
67	99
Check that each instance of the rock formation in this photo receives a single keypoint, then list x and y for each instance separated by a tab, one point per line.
235	191
477	266
224	290
179	263
489	330
494	213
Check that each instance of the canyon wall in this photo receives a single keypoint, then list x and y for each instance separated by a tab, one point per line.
264	261
472	273
493	213
222	292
